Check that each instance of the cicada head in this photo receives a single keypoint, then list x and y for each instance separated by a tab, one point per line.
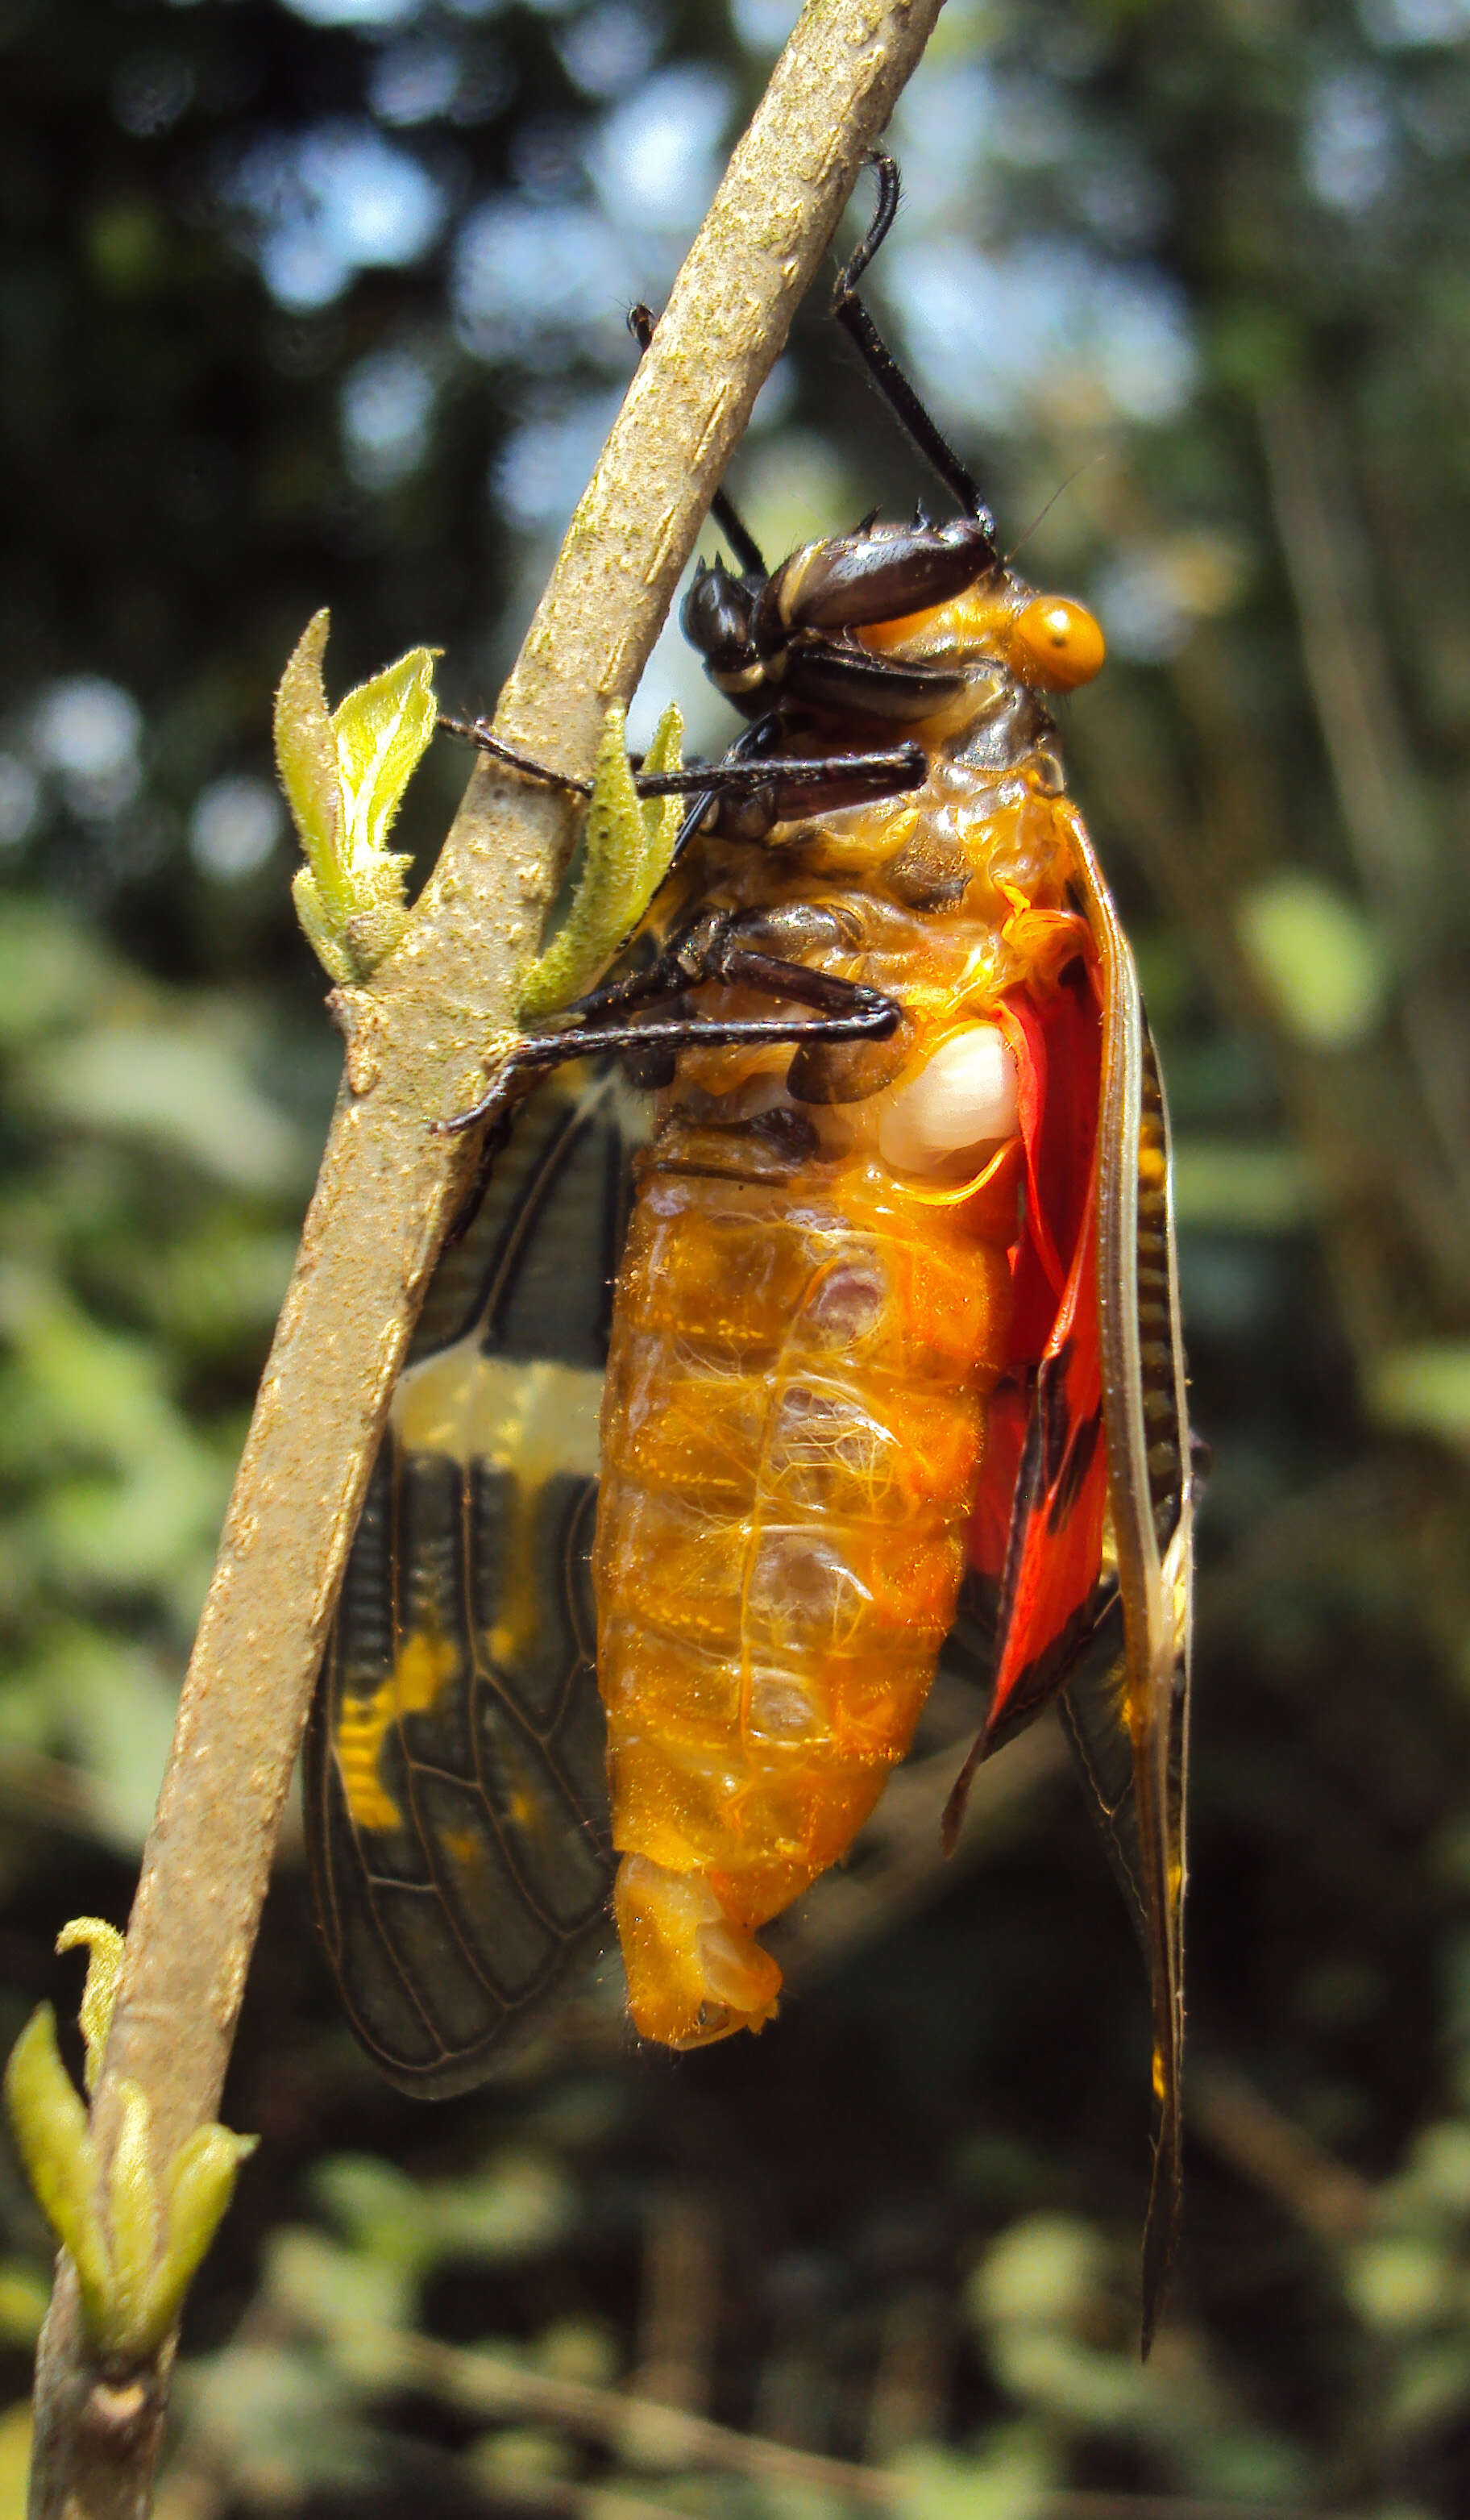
1046	643
718	617
892	624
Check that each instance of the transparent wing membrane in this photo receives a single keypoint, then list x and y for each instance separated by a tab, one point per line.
457	1804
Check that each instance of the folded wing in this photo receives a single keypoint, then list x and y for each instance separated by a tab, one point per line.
455	1799
1092	1444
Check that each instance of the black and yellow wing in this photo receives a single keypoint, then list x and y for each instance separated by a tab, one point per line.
456	1802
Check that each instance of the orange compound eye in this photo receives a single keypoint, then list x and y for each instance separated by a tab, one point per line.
1060	643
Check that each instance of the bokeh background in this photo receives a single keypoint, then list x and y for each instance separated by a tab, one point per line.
323	302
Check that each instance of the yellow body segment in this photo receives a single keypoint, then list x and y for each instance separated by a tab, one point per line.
803	1348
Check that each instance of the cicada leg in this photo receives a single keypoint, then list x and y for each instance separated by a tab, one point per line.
745	796
841	1011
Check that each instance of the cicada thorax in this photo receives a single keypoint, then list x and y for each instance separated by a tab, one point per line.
813	1311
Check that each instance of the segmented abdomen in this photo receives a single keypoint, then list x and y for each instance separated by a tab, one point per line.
791	1441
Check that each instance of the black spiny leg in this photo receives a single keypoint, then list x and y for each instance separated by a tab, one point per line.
710	953
732	947
745	796
755	742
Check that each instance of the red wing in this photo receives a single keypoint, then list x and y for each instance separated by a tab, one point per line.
1038	1523
1107	1427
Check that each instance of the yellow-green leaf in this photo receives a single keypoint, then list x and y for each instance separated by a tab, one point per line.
50	2127
383	730
201	2184
306	758
627	848
103	1946
133	2218
662	815
324	930
344	776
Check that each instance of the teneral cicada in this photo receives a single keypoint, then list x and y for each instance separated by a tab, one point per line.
885	1306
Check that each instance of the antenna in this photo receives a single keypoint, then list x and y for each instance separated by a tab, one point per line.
883	367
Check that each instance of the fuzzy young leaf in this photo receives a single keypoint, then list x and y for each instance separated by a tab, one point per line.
103	1946
133	2219
350	948
344	776
131	2293
307	758
662	815
201	2185
627	848
383	730
50	2127
323	928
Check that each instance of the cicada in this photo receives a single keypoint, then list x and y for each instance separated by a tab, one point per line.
883	1308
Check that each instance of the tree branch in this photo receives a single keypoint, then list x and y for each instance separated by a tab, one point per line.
670	2441
387	1187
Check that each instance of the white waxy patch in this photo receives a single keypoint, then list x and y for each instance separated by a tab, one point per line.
967	1096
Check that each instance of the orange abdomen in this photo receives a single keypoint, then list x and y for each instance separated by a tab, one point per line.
792	1437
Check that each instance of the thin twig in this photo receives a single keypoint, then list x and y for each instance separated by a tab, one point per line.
487	2385
1323	2196
386	1185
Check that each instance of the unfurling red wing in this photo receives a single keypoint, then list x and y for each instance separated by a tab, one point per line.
1096	1583
1038	1526
1048	1580
456	1813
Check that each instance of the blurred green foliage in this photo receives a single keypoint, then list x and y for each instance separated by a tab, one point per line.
323	304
